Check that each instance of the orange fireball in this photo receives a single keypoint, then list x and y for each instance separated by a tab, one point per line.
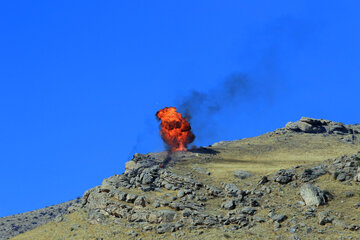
175	130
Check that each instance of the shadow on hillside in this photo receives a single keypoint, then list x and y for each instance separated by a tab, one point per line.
203	150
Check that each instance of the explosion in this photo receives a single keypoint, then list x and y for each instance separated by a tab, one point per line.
175	130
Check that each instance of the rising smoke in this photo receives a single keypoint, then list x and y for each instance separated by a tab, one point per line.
201	108
230	92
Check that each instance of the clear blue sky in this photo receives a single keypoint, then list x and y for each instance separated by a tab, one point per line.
81	81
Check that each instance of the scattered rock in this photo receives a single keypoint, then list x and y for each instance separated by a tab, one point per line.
279	218
349	194
263	180
177	206
165	227
242	174
232	190
284	176
357	177
186	213
140	201
310	212
248	210
345	168
313	173
324	218
95	216
339	223
130	198
180	193
260	219
167	215
353	227
228	205
121	196
147	228
58	219
277	225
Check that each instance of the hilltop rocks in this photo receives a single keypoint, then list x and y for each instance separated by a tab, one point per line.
314	196
311	125
307	125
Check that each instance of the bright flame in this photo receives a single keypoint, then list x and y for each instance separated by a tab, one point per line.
175	130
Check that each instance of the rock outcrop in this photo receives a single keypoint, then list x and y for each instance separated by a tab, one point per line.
188	206
311	125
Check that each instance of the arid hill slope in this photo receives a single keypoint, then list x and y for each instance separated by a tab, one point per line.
298	182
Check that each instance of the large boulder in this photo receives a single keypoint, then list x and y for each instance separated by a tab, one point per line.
314	196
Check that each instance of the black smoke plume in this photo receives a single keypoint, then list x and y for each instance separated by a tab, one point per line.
200	108
230	92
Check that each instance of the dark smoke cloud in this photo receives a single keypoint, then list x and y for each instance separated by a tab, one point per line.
200	108
231	91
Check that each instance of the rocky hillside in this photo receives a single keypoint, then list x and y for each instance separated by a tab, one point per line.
11	226
298	182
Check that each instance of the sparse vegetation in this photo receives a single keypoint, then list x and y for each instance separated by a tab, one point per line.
261	156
